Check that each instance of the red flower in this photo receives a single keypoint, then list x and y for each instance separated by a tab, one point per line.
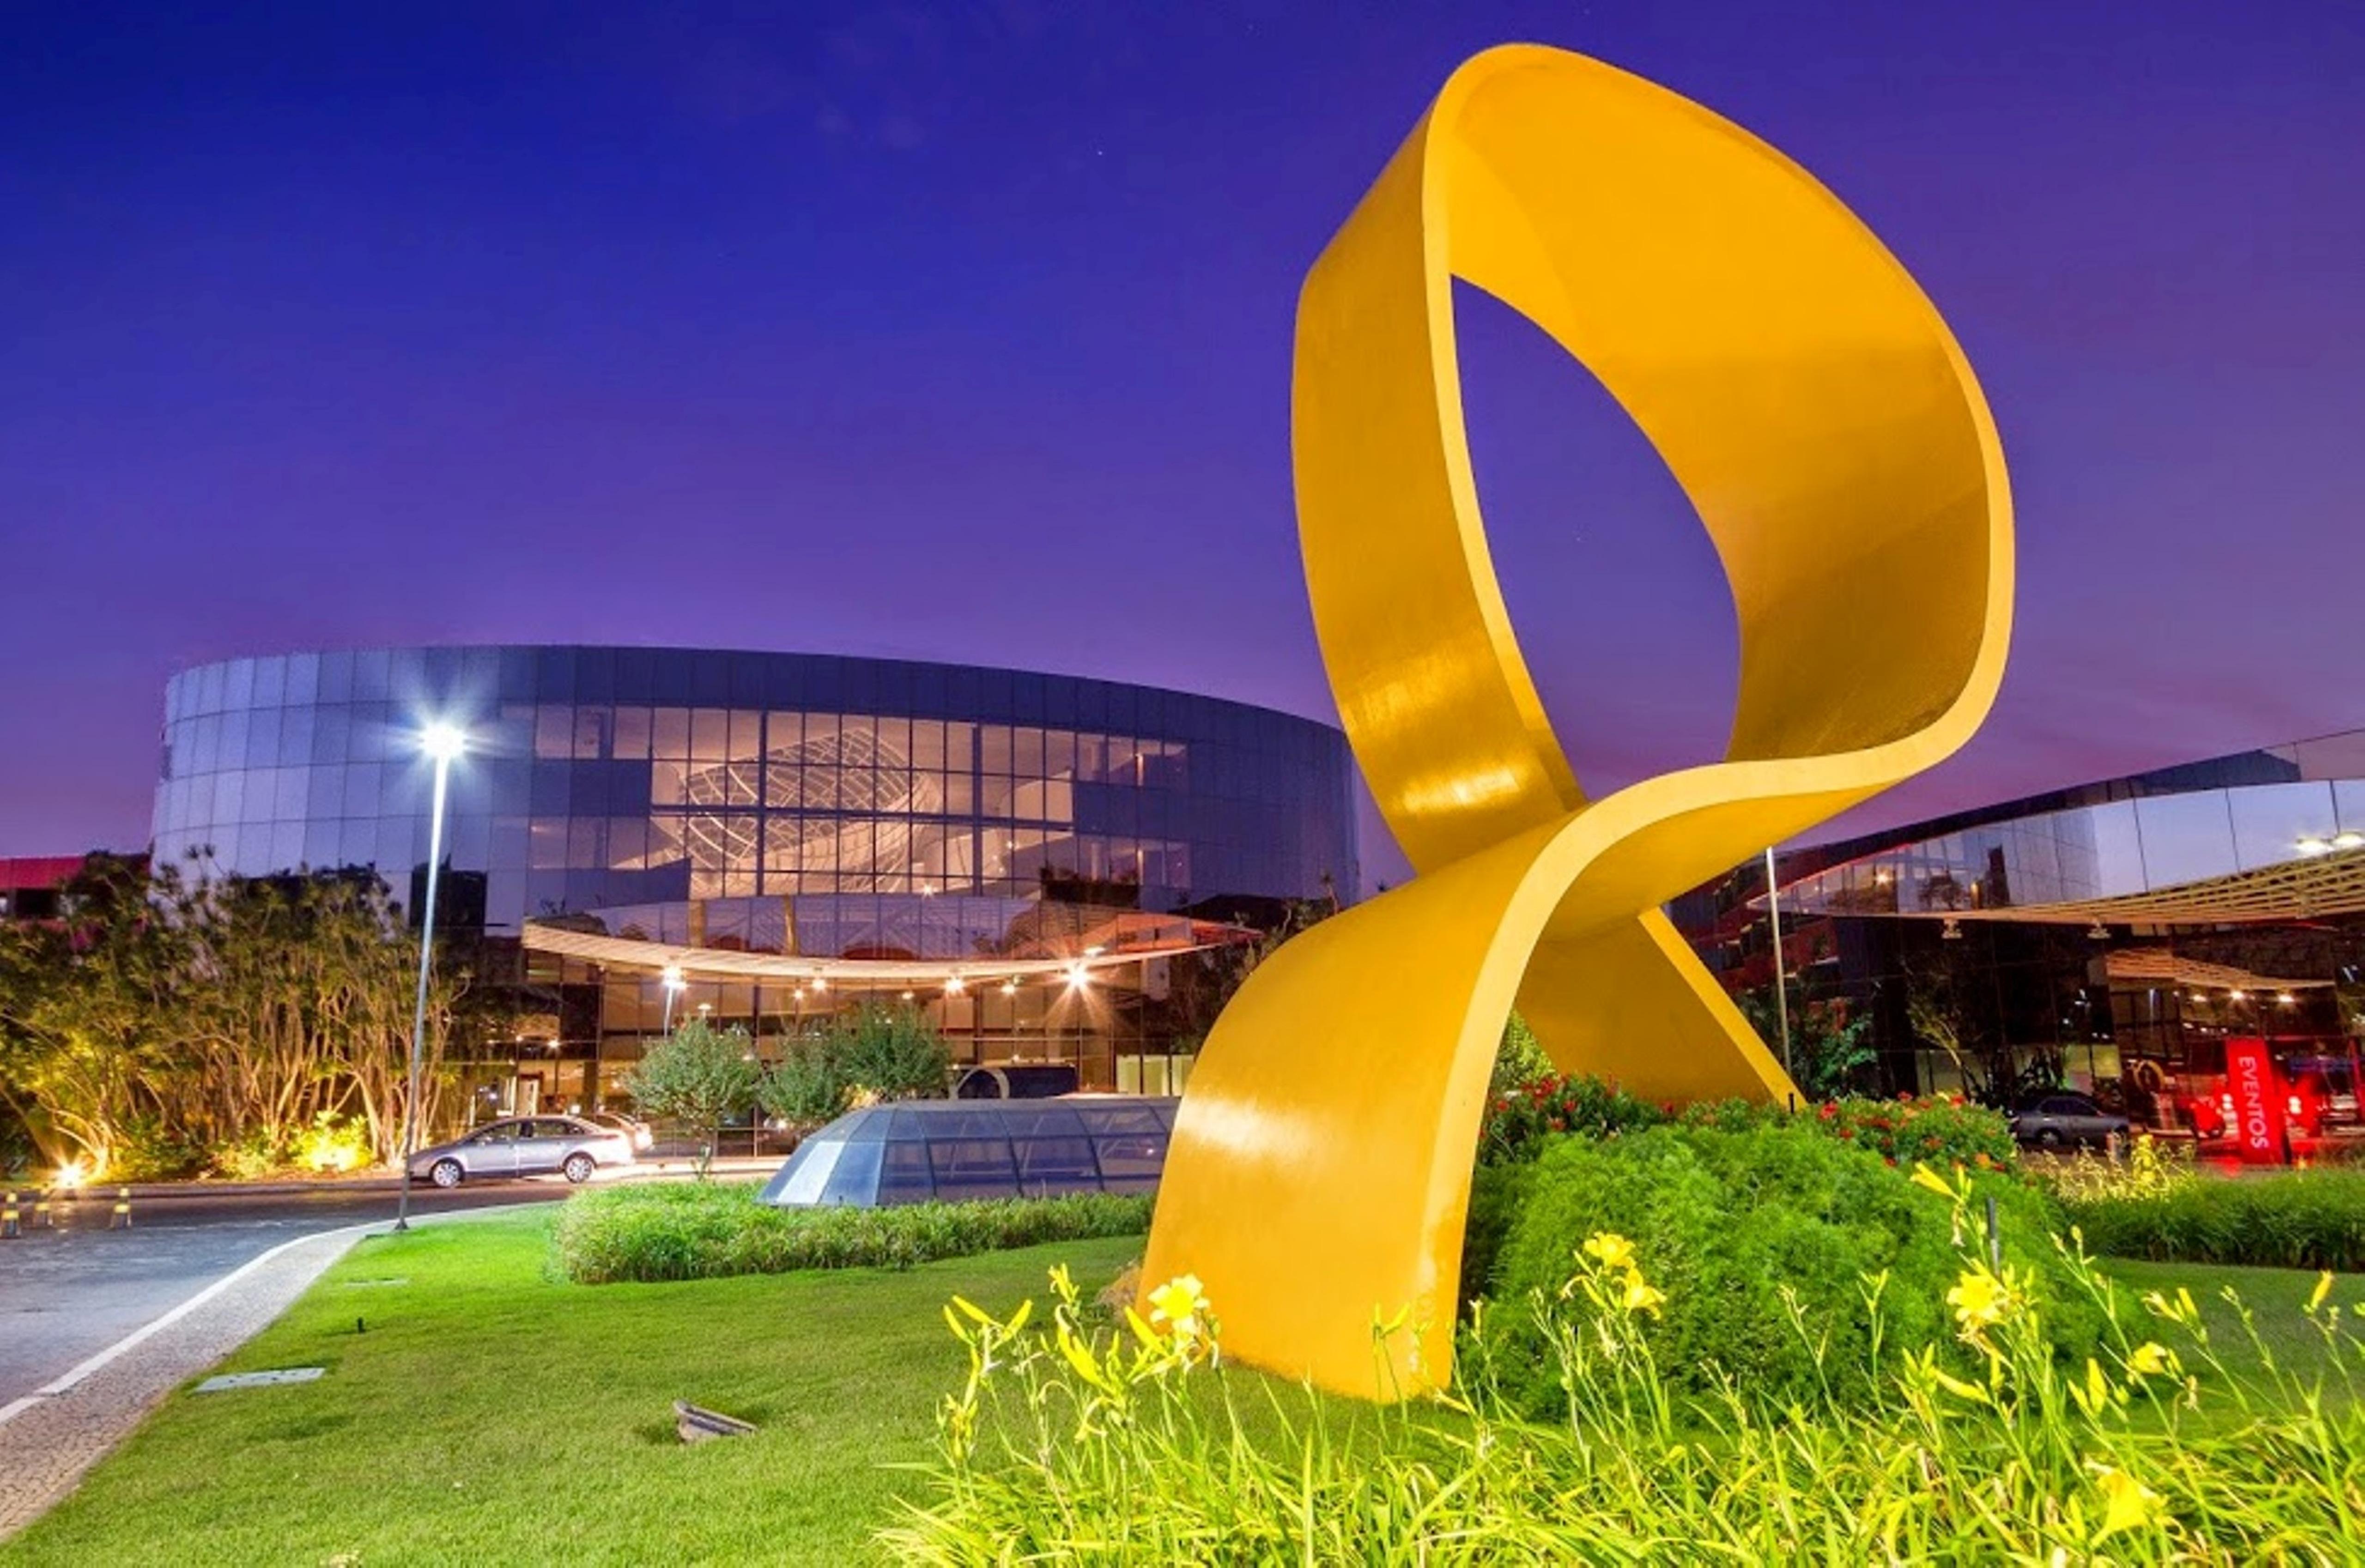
1558	1125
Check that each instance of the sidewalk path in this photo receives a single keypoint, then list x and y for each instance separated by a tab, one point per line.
49	1437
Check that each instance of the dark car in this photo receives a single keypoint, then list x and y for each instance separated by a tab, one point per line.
2063	1120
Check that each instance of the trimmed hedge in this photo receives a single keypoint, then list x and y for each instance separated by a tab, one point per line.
1726	1223
708	1231
2304	1219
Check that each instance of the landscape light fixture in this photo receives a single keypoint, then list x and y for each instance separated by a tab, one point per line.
441	743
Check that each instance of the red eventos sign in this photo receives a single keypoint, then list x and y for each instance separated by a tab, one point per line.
2256	1090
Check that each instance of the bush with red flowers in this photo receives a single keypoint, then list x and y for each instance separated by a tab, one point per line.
1944	1130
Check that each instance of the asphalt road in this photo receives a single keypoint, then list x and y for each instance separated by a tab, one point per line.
69	1293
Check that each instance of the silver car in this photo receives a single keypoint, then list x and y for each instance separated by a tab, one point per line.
524	1146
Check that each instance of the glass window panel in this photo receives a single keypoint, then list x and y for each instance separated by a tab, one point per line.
635	731
961	745
286	846
1059	753
554	731
995	797
261	739
994	748
904	1174
972	1168
320	844
857	740
710	734
584	846
820	738
628	843
671	732
669	783
2185	837
2269	820
783	732
960	795
927	744
856	1178
591	727
547	843
665	840
807	1174
1026	753
1091	757
747	735
356	841
894	740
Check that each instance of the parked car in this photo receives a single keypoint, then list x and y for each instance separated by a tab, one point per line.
524	1146
1017	1080
2061	1119
617	1122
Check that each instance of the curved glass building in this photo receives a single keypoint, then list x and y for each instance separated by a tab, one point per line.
916	1150
2111	936
808	806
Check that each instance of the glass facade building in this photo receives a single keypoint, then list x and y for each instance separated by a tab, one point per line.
808	804
2114	935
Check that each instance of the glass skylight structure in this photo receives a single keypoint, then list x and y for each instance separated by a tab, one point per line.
952	1150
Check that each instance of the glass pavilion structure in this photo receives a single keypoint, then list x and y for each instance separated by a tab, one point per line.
2121	930
789	831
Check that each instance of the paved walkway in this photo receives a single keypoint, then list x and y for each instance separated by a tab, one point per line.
49	1437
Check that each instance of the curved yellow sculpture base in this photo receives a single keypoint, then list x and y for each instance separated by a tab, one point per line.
1816	409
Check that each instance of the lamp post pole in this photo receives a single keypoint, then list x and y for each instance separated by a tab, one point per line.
673	982
1781	984
442	743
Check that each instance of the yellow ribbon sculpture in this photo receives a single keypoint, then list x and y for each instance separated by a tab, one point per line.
1822	418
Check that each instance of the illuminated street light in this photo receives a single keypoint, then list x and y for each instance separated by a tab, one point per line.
441	743
674	986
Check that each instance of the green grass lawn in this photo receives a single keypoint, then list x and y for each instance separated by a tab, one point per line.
492	1412
2275	1298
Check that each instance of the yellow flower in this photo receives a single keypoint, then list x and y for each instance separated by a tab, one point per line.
1979	1299
2150	1359
1178	1304
1613	1251
2130	1505
2323	1289
1925	1177
1640	1296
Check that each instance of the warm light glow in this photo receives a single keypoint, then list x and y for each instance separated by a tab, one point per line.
907	996
1009	988
955	985
820	983
2314	846
2286	998
2347	840
2238	995
72	1173
706	1007
443	742
672	979
1079	977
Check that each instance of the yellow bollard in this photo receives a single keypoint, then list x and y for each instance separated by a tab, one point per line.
9	1227
43	1218
122	1218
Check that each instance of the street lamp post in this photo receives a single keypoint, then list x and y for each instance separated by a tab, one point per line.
442	743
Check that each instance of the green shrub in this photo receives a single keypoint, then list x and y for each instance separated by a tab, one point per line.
1941	1130
2301	1219
710	1230
1765	1240
698	1074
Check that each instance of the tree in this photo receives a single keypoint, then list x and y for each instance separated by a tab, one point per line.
166	1022
872	1053
698	1074
1832	1049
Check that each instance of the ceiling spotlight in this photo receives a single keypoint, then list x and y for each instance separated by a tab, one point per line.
1010	987
820	983
672	979
1951	930
2311	844
2237	996
2285	998
1079	977
955	985
2349	840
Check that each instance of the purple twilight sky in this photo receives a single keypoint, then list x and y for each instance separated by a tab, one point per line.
962	332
